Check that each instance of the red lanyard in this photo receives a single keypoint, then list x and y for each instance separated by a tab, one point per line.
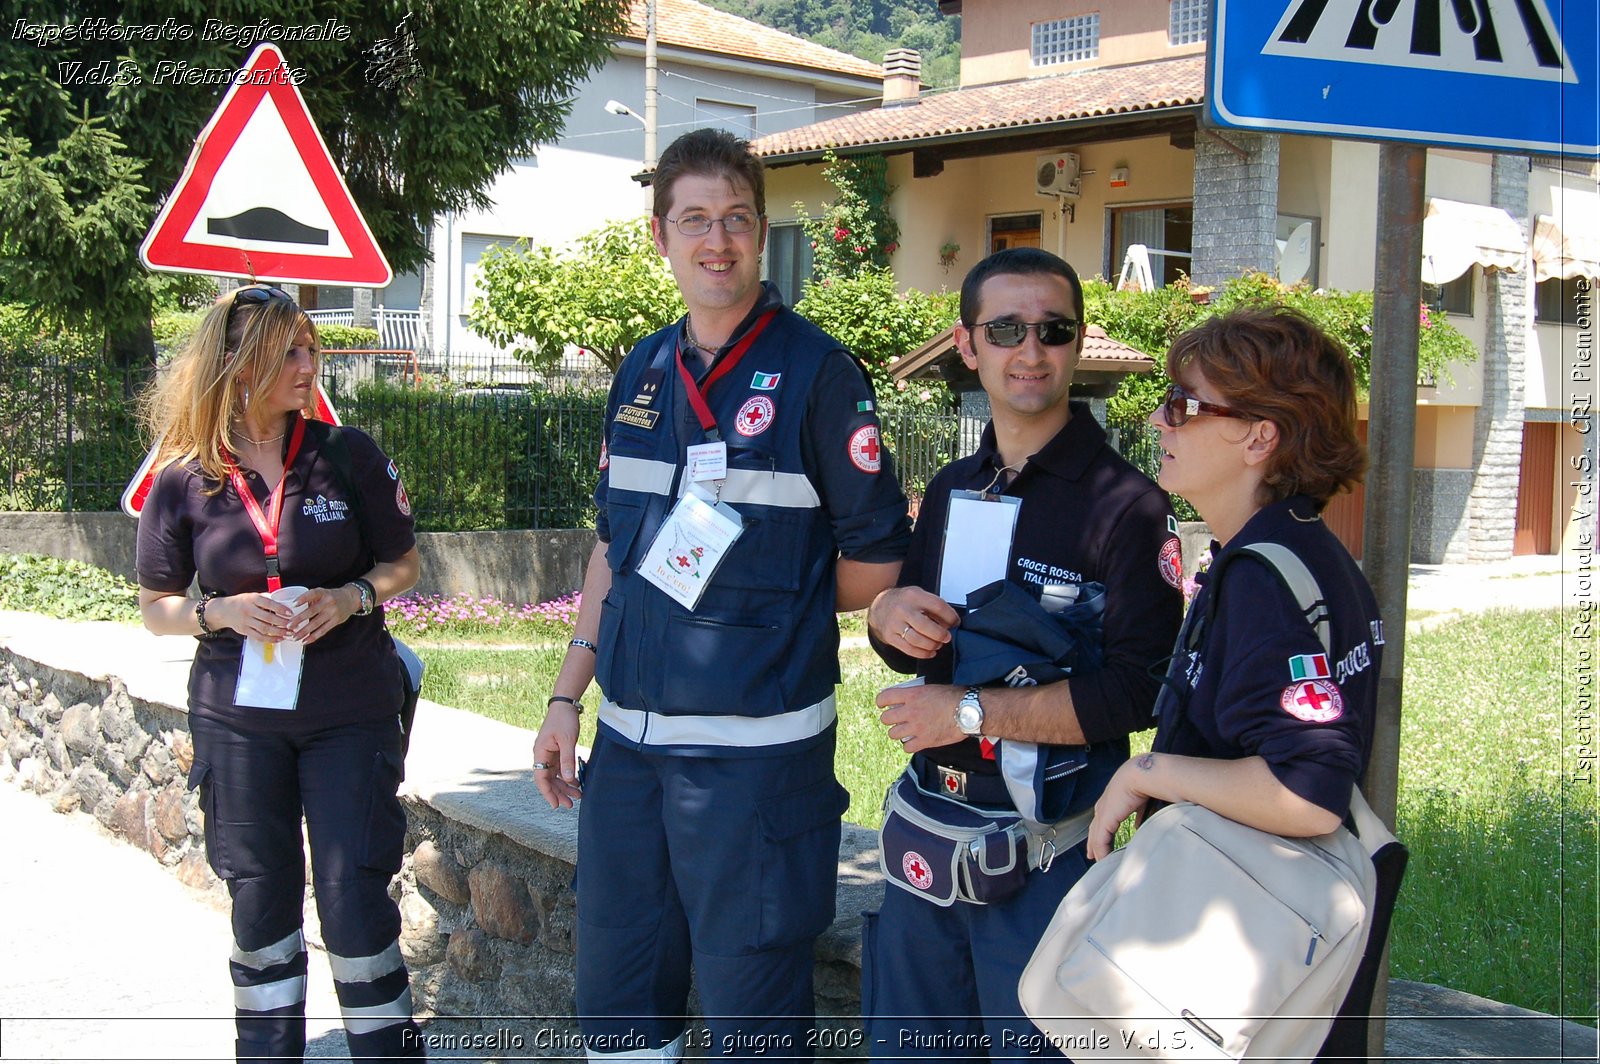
698	392
267	523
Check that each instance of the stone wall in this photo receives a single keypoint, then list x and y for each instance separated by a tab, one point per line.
85	744
531	565
488	910
1235	205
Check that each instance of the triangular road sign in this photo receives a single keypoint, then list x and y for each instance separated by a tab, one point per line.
261	198
138	489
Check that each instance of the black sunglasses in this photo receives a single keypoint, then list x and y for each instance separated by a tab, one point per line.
256	293
1055	332
1179	406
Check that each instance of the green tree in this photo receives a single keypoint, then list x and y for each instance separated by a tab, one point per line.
420	105
881	325
856	231
606	292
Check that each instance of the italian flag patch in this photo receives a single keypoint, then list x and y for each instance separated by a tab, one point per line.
1309	667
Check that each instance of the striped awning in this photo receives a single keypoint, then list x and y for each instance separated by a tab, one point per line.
1457	236
1567	242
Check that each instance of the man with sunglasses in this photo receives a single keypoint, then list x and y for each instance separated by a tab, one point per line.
743	499
937	979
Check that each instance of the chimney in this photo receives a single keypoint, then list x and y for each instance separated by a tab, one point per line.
902	77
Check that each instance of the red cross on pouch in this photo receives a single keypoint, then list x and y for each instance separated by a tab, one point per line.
951	783
918	870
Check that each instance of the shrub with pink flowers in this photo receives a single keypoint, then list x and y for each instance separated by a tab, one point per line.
464	615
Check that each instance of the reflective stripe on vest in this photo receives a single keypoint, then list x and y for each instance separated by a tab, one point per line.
369	1018
754	486
661	729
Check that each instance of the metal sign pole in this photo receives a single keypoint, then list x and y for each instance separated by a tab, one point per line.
1391	441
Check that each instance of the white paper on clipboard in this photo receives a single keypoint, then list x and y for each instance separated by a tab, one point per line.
978	530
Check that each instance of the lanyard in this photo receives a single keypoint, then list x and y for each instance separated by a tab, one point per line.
267	523
697	392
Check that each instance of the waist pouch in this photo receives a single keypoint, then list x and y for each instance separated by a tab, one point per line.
945	851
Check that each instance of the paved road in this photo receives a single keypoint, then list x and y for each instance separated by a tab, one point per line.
104	955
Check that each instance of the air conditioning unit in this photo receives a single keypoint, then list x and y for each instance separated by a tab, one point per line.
1057	175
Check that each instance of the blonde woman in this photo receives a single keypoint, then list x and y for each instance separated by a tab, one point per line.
297	532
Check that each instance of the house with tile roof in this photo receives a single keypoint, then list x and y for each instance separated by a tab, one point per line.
1078	126
713	69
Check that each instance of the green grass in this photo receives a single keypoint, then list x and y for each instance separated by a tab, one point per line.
1500	897
1503	824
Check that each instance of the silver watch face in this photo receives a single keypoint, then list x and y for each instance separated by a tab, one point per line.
969	715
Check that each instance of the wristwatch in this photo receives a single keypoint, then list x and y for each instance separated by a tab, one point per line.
969	713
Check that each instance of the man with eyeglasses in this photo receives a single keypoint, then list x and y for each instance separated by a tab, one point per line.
937	978
744	498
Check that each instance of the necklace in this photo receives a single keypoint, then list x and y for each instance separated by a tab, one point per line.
688	335
258	443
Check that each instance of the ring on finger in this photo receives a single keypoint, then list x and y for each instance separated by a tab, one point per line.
541	766
905	631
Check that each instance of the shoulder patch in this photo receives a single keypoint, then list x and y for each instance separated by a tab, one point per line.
1170	562
1313	701
865	452
393	470
605	456
402	501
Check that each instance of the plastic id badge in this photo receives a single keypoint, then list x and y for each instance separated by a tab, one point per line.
978	530
269	673
690	545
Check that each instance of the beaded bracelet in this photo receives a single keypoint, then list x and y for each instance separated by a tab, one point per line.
206	631
585	644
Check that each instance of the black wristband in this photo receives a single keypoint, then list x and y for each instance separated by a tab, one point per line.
585	644
573	702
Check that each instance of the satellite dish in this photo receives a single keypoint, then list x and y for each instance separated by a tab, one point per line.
1295	260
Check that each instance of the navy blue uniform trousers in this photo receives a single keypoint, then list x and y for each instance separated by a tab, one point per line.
728	864
254	787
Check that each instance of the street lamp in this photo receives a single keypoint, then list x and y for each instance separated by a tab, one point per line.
617	107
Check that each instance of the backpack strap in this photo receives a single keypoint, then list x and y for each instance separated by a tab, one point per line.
1302	585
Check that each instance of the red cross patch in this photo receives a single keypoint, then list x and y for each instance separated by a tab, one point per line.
605	455
755	416
1170	562
865	452
402	501
1313	701
918	874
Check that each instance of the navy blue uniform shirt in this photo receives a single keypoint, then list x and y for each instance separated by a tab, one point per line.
1087	514
349	674
1260	682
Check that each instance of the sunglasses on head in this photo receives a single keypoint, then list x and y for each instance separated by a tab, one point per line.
1056	332
1179	406
256	293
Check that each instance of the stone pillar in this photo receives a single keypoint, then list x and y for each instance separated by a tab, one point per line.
361	305
1497	424
1235	205
975	414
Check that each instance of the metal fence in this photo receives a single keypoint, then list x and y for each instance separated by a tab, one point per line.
68	436
473	459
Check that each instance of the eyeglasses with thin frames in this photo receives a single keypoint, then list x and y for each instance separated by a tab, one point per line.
737	223
1179	406
1054	332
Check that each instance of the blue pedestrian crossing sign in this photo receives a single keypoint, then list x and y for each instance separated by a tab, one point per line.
1497	75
